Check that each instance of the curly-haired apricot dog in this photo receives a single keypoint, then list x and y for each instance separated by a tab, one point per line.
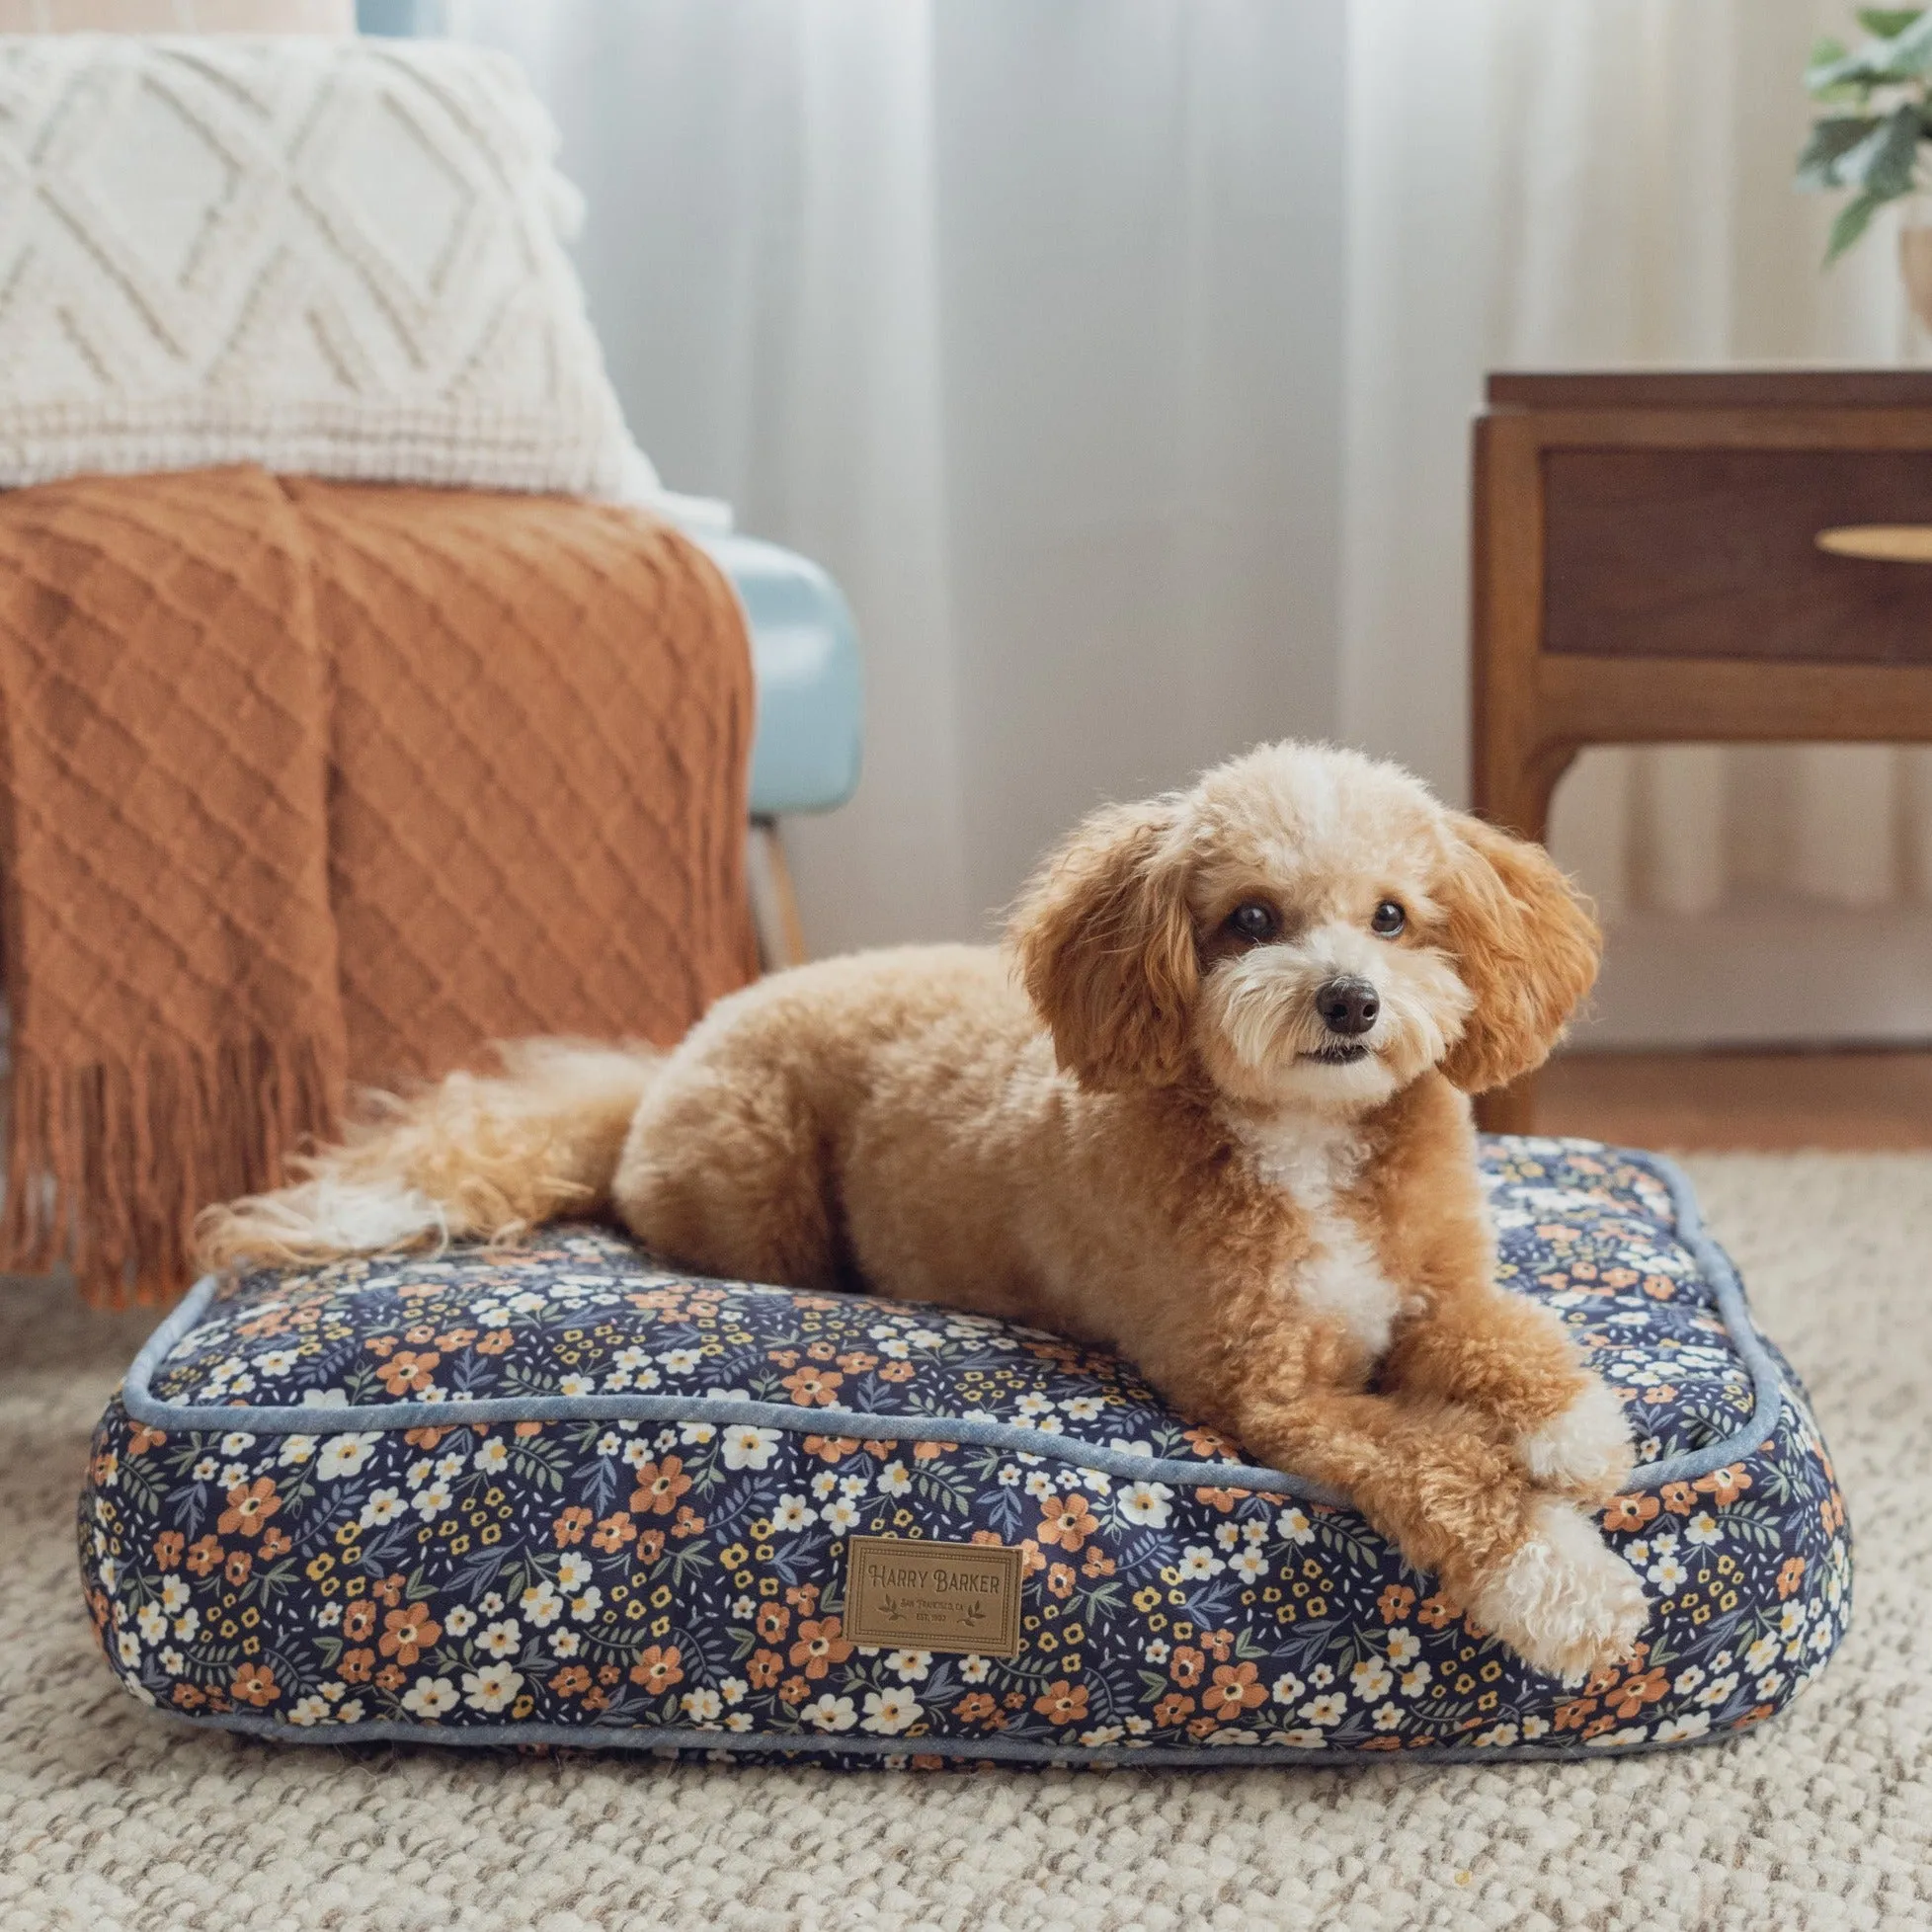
1209	1109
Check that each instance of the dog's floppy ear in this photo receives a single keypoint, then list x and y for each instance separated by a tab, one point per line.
1525	945
1106	949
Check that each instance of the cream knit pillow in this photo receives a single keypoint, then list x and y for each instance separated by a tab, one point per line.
343	258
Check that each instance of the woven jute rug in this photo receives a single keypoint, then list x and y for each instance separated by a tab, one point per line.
111	1818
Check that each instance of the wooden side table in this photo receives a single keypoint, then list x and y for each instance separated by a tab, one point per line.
1665	557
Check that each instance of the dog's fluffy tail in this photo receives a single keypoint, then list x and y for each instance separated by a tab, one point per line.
473	1158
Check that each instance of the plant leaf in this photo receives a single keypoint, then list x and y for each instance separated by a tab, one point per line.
1853	221
1905	57
1884	164
1888	22
1820	164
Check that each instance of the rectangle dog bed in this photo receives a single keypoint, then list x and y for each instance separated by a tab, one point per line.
561	1495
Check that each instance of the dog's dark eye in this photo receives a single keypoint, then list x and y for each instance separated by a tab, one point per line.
1253	920
1389	920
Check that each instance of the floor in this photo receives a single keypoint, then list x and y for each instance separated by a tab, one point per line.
1768	1103
112	1820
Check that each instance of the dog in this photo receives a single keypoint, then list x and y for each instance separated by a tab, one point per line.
1208	1108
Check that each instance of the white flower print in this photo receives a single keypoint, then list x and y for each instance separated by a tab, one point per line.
1146	1505
502	1639
345	1455
908	1666
1294	1525
701	1706
460	1620
430	1697
794	1514
492	1688
890	1712
1197	1562
542	1604
830	1713
383	1507
1371	1678
749	1448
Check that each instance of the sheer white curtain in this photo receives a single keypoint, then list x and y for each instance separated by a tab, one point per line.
1118	358
1025	321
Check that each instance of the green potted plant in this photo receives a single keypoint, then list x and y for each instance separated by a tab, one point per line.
1877	99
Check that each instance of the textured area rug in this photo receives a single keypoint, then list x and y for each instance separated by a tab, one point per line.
112	1817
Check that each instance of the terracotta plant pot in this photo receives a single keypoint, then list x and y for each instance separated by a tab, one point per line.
1916	261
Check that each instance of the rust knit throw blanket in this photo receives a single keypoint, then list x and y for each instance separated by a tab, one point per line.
305	784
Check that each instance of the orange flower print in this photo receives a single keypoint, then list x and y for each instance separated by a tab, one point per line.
391	1679
496	1343
976	1707
358	1621
794	1690
1438	1611
813	1387
168	1546
1185	1666
658	1668
650	1545
1629	1512
389	1590
1396	1602
1060	1580
570	1681
277	1543
236	1568
142	1439
819	1647
569	1527
613	1532
1233	1691
1062	1703
897	1371
407	1634
764	1669
1571	1716
356	1666
255	1684
831	1448
250	1505
1172	1710
773	1620
659	1485
1680	1499
687	1524
1067	1521
1724	1486
1790	1575
1630	1697
204	1556
407	1370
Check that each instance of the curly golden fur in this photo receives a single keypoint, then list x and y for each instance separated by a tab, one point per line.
1153	1123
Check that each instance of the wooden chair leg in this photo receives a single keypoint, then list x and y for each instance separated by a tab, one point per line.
774	903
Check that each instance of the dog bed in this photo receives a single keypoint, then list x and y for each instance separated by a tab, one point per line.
561	1495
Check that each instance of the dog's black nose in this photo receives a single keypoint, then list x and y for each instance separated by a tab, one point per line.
1348	1006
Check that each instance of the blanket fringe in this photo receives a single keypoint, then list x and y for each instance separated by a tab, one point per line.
108	1165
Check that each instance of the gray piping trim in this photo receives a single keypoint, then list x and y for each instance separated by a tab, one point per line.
143	1405
1201	1757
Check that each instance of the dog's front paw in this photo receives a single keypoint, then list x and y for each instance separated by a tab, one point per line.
1566	1602
1585	1451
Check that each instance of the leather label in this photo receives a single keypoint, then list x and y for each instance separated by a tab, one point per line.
916	1595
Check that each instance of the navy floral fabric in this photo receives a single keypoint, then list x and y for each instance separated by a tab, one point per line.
560	1495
